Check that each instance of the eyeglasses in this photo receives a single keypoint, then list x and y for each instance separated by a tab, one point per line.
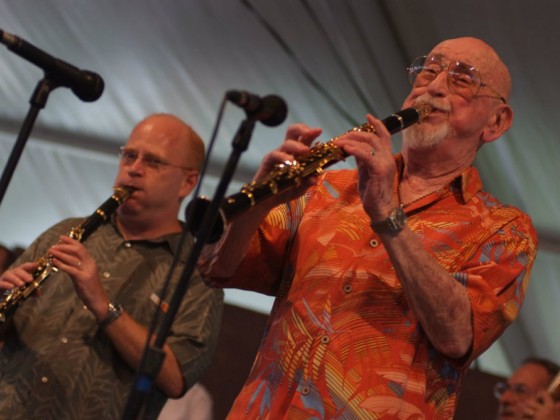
129	156
462	78
519	390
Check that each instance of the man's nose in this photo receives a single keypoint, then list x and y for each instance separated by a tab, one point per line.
439	86
507	397
137	166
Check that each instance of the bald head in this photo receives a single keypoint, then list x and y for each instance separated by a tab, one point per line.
189	145
478	53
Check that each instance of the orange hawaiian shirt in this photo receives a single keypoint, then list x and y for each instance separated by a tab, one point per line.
342	341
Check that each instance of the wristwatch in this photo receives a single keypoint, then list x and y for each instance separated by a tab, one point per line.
392	224
115	311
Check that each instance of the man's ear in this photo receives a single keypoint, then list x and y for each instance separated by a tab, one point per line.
189	182
498	123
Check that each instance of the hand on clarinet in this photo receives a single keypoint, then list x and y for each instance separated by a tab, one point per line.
297	143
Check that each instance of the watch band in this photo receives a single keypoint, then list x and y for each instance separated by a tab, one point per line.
115	311
392	224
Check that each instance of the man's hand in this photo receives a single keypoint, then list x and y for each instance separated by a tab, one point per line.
376	167
297	143
72	257
18	276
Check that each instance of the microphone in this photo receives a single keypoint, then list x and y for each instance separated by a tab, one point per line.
271	110
86	85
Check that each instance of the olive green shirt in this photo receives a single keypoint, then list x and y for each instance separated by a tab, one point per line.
57	363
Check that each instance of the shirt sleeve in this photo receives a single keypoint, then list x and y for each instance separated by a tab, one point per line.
265	262
195	330
497	278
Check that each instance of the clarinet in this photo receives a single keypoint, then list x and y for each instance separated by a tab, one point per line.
290	173
13	298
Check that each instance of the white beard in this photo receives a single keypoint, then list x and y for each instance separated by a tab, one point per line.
422	137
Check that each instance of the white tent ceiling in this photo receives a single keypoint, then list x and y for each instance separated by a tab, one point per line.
331	60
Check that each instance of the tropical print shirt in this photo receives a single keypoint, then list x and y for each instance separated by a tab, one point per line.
342	341
57	363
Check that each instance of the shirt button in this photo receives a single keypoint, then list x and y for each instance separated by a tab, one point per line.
347	288
64	340
373	243
305	390
44	379
127	244
325	339
106	274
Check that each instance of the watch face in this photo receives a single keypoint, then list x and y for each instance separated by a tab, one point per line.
399	216
394	223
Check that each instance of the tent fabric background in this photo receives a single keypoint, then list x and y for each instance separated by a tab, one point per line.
332	61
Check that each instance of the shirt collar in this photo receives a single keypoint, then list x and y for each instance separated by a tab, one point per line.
171	240
466	185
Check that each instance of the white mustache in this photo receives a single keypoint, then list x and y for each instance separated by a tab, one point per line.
435	103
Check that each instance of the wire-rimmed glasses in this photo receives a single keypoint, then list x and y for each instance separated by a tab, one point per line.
462	78
129	156
519	390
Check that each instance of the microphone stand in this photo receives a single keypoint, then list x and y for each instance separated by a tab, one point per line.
154	355
38	101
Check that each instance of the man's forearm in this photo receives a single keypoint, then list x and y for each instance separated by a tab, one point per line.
223	258
129	338
439	302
